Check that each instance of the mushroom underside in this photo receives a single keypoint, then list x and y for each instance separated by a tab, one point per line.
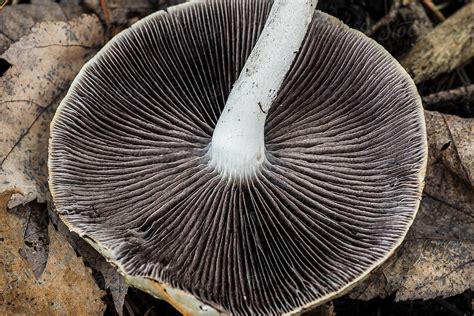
339	188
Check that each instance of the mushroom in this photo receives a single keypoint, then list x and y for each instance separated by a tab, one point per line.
243	157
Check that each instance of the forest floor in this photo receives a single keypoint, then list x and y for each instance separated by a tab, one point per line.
432	273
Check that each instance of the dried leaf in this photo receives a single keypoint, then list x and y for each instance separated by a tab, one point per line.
442	269
437	257
35	221
66	287
44	63
17	20
451	139
113	281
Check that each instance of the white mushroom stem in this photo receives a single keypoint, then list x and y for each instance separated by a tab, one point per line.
237	148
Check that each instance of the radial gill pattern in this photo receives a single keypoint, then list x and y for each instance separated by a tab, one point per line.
345	147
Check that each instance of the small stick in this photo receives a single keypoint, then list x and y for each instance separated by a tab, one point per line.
430	5
450	96
3	4
106	11
387	19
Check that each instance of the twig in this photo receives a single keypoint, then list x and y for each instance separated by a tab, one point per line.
387	19
5	2
148	312
430	5
129	308
445	48
458	95
105	9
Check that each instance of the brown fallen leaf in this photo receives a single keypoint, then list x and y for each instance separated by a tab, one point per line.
437	257
452	142
112	279
66	286
17	20
34	217
43	64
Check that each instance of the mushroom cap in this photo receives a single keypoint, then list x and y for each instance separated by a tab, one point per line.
345	147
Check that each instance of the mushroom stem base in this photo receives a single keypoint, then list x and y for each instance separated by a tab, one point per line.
237	148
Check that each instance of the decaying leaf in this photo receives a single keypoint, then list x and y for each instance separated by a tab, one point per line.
437	257
451	140
115	282
112	280
66	286
17	20
43	64
35	248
